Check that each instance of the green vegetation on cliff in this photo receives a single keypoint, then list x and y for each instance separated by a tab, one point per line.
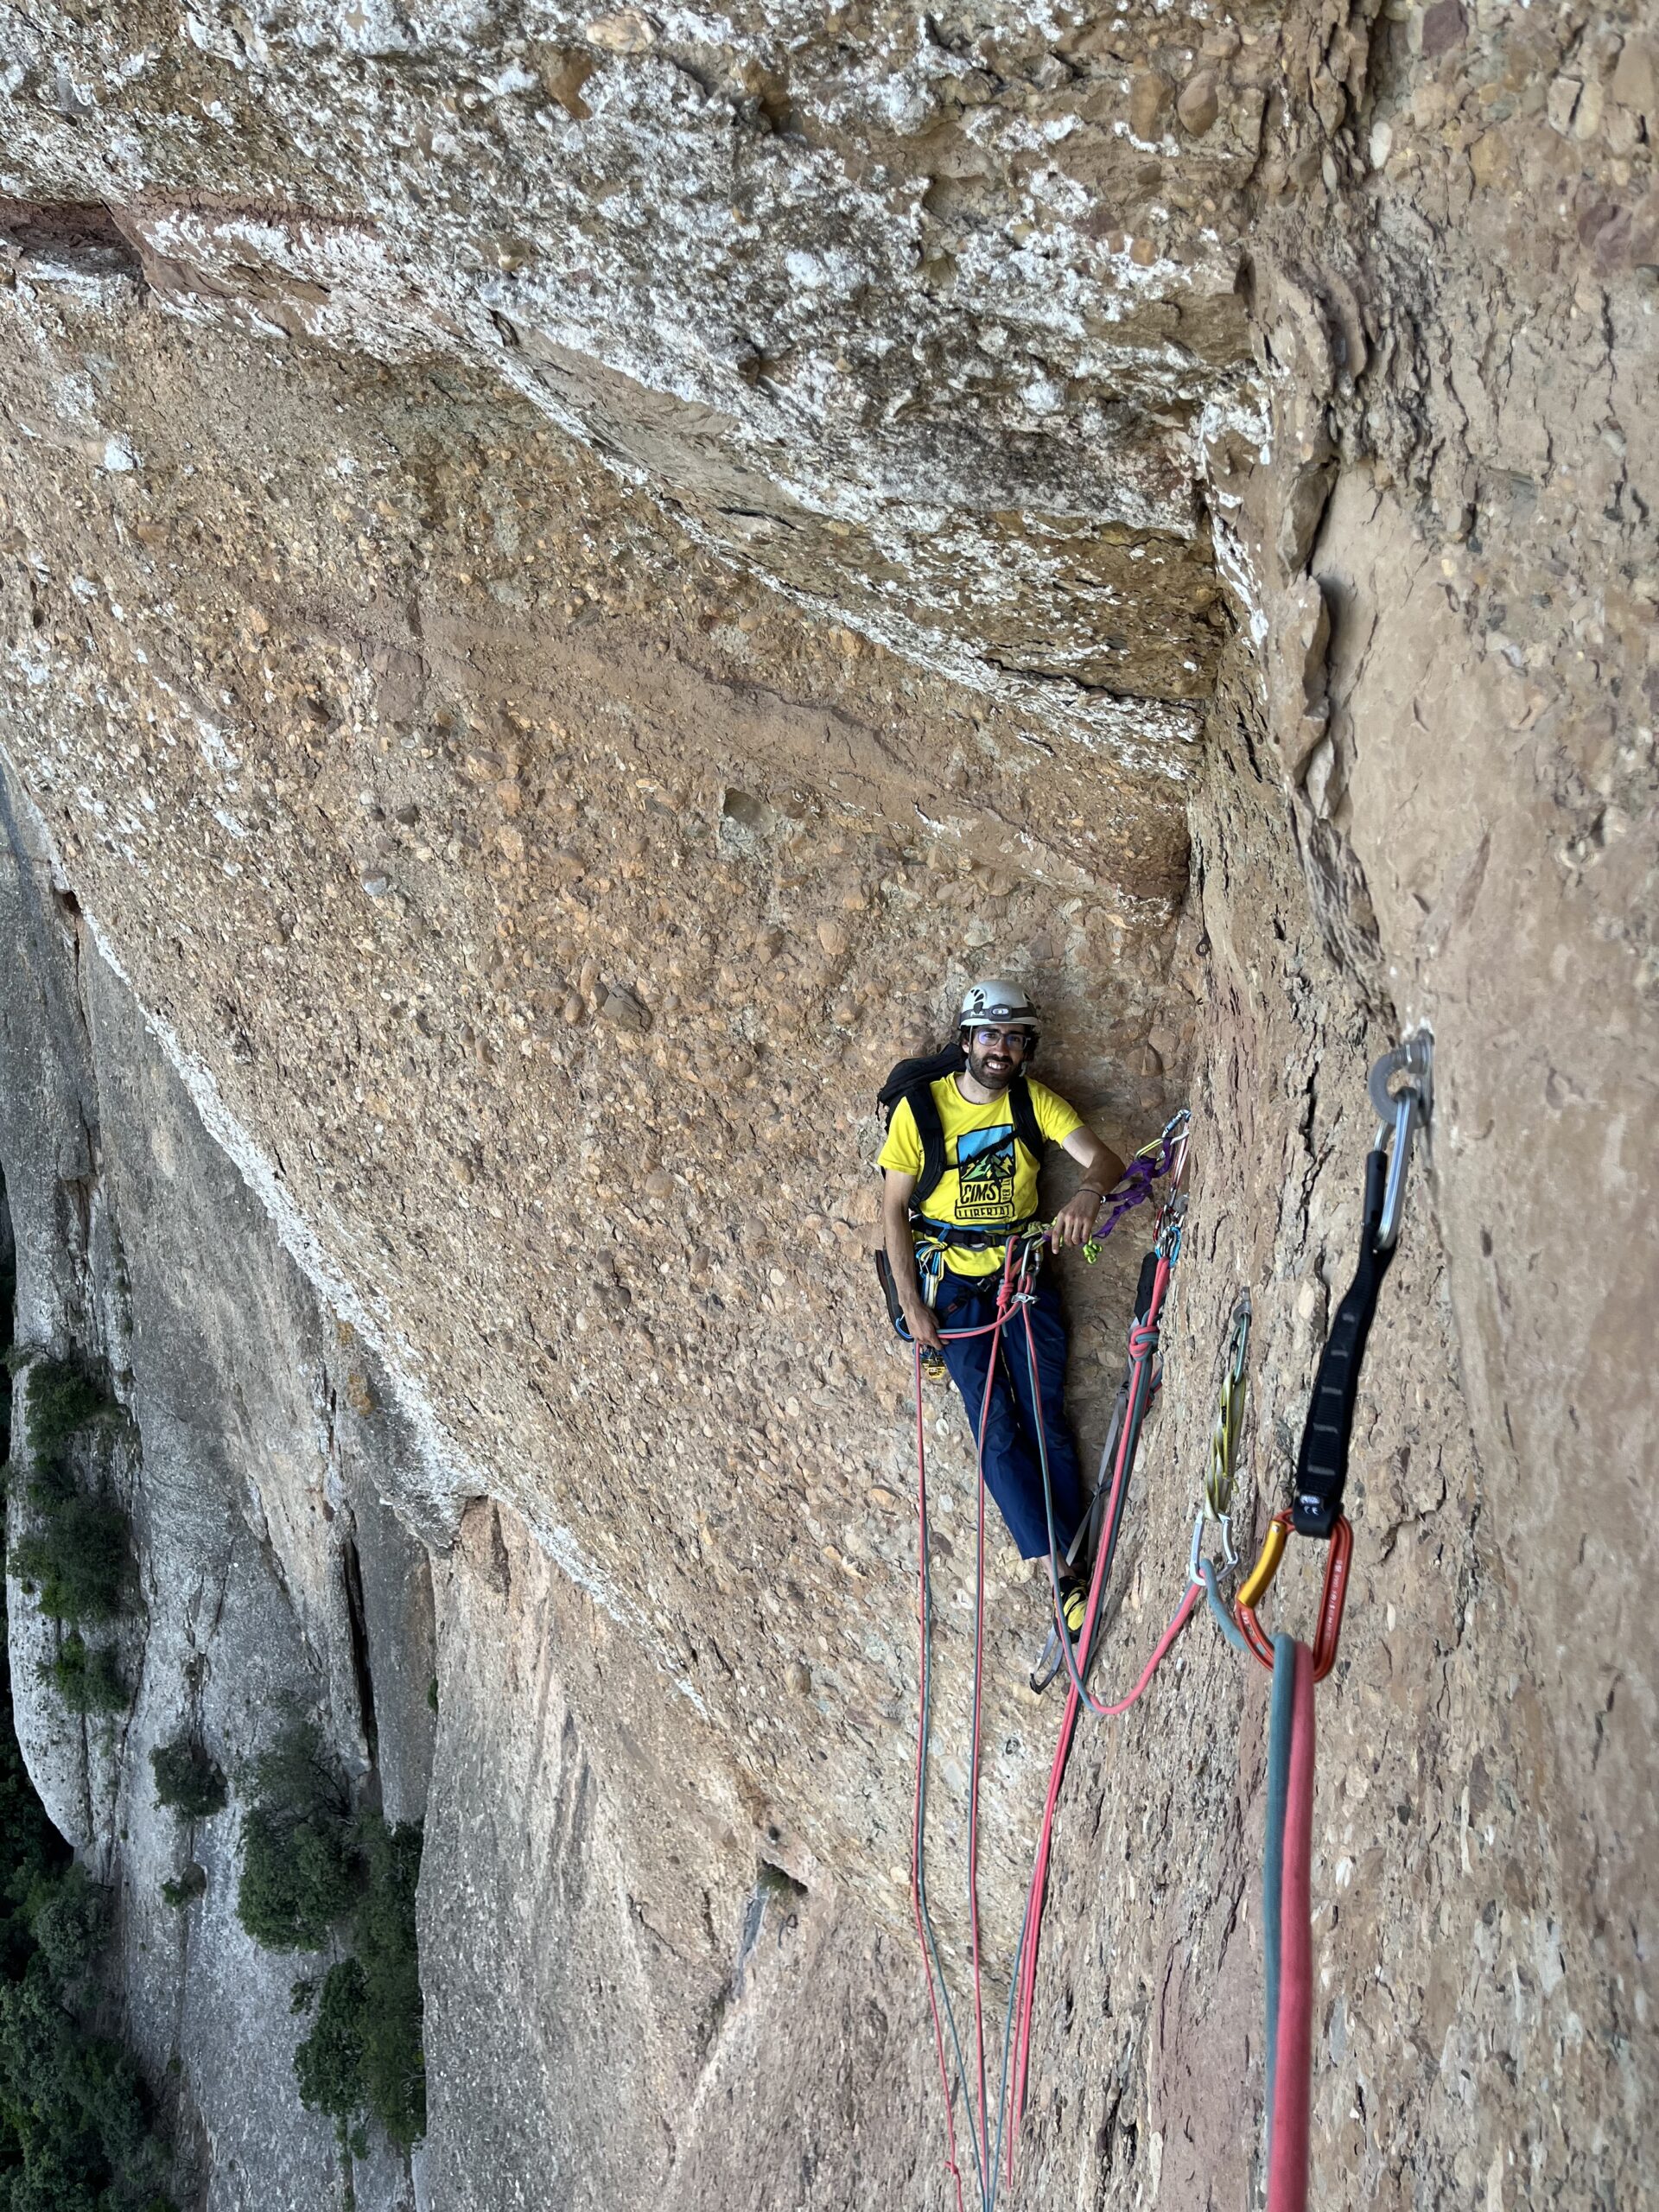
86	1677
77	1553
311	1867
299	1864
189	1781
77	2128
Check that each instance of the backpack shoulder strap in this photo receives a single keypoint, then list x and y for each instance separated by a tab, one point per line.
1023	1115
924	1111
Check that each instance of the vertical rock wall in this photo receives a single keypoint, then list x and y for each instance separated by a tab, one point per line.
569	581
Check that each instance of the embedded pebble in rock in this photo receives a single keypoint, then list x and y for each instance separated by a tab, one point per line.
1149	103
569	578
1199	104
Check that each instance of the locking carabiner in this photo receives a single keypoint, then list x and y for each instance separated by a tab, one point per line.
1332	1599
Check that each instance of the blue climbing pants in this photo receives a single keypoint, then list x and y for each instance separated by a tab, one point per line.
1014	1474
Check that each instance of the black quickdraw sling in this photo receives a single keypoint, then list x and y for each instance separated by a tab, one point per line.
1322	1463
1315	1508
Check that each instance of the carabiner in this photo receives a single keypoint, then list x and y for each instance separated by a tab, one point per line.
1331	1601
1405	1111
1170	1141
1229	1556
1171	1222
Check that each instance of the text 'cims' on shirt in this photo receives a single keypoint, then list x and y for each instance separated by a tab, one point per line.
988	1178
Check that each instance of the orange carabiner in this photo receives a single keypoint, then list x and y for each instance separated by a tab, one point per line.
1334	1597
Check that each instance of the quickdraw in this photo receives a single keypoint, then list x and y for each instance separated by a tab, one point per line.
1224	1438
1322	1463
1316	1511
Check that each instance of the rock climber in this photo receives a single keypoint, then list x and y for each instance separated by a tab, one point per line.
961	1160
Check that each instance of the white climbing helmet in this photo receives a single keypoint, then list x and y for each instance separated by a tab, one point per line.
997	1000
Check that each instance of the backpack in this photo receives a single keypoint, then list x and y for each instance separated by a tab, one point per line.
914	1079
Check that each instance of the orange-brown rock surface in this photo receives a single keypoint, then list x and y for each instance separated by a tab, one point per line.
569	578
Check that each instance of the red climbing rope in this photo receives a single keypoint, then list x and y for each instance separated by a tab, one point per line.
1014	1290
1143	1338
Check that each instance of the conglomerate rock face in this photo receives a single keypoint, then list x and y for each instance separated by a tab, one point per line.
568	577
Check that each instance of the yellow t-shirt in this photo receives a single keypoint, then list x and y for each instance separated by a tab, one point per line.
987	1178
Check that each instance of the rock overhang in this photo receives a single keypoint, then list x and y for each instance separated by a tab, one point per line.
913	317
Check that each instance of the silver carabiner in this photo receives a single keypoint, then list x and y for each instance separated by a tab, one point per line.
1177	1135
1404	1111
1171	1220
1229	1556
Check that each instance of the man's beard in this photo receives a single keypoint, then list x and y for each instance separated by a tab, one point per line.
996	1079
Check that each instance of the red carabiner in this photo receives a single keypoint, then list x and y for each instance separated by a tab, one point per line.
1331	1601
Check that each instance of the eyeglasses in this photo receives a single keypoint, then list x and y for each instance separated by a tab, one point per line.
1010	1037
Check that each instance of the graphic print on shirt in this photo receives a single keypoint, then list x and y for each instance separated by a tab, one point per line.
985	1174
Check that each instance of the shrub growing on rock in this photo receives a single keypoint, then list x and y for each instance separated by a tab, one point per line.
394	2062
329	2063
85	1678
363	2054
301	1868
77	2132
188	1779
307	1866
191	1883
64	1396
77	1555
71	1918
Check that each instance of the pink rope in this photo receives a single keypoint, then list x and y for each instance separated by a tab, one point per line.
1040	1872
1039	1894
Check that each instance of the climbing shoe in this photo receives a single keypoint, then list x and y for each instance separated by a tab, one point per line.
1074	1607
